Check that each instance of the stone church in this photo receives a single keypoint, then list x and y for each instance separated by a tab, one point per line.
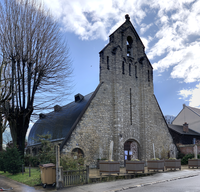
122	109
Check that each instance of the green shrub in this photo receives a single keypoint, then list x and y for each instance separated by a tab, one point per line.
72	161
47	153
2	161
32	161
13	161
27	159
180	155
184	160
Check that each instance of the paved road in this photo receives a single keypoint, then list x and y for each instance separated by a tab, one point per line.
133	184
154	183
191	184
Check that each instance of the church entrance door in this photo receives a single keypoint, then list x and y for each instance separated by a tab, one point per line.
130	150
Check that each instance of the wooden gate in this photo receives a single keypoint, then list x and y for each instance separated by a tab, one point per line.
76	177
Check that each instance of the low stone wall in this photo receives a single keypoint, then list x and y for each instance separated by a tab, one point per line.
188	149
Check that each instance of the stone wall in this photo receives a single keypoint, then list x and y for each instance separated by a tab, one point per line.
189	149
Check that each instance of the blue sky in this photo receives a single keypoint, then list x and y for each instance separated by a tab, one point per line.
169	30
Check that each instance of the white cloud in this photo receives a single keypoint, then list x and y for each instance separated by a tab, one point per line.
185	62
145	27
145	42
91	19
185	93
178	42
192	95
174	29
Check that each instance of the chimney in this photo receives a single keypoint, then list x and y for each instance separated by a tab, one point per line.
184	106
57	108
185	128
42	116
78	97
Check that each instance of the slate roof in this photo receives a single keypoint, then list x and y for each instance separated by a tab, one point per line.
179	129
58	124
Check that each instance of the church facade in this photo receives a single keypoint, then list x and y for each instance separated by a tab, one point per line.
122	109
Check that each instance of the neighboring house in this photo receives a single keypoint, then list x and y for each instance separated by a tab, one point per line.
123	109
190	115
182	134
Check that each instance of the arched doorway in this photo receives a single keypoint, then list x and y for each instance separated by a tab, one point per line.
130	150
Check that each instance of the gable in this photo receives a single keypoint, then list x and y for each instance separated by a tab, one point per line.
127	25
189	116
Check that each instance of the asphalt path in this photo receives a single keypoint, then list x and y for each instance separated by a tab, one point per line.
191	184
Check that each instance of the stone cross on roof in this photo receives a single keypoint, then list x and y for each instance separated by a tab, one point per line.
127	17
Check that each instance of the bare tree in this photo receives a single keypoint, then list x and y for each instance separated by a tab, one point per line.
32	42
5	93
3	126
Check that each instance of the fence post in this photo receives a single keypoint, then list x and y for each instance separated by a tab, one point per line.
87	174
29	170
59	172
22	169
57	165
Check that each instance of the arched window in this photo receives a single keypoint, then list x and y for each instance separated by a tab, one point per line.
129	46
77	152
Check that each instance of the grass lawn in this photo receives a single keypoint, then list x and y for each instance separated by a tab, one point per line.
31	181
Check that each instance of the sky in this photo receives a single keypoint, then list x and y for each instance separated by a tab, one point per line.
169	29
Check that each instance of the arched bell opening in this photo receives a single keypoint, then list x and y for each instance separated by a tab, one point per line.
129	46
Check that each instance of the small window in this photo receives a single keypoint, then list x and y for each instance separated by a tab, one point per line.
129	69
108	63
123	67
194	140
135	71
148	76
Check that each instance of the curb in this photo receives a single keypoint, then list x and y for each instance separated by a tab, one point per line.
152	183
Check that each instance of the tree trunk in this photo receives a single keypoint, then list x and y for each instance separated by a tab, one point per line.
1	139
18	128
1	134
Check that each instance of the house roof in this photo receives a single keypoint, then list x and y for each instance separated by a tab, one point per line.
58	123
195	110
179	129
79	117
